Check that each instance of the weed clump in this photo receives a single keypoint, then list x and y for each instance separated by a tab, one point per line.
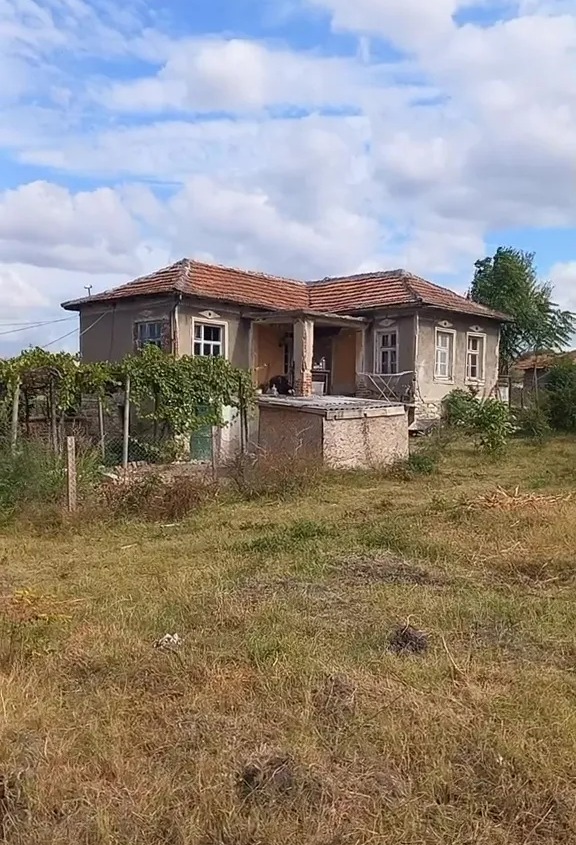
261	475
155	498
405	639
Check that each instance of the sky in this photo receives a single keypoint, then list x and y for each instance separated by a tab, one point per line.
299	137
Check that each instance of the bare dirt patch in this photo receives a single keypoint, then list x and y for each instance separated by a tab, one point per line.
384	569
405	639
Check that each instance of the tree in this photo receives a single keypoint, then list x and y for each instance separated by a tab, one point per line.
561	390
508	282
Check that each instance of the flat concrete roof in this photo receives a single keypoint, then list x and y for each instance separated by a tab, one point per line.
334	407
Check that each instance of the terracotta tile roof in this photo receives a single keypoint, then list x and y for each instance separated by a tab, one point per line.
342	295
389	288
544	360
211	281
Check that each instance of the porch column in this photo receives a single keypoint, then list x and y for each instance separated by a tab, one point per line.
360	358
303	351
253	351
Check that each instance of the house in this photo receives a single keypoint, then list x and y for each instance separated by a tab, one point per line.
532	370
385	334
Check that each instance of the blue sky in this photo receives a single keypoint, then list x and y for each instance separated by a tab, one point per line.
302	137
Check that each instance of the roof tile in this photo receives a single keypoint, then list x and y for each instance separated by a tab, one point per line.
342	294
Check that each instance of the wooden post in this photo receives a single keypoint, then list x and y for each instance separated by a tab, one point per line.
71	473
101	428
214	452
126	432
15	409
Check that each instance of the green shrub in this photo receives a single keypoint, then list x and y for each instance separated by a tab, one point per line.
487	420
459	408
492	426
34	475
533	422
561	396
423	462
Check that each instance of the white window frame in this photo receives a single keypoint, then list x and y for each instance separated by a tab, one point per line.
140	344
213	324
482	356
378	348
448	379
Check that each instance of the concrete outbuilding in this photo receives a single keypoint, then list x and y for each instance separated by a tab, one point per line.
338	432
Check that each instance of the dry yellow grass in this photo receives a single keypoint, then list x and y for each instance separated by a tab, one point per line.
284	718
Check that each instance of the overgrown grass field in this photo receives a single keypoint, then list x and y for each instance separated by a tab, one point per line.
382	660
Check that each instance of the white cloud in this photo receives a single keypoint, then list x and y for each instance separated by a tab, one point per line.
49	226
235	75
411	163
563	277
406	22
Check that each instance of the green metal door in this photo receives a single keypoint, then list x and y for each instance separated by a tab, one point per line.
201	441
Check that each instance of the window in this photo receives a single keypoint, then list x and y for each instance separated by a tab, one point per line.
475	358
208	340
149	333
387	352
444	360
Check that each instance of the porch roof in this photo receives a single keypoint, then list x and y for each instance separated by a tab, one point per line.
325	318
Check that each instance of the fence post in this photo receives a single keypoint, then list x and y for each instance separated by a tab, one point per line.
15	409
71	473
214	452
101	428
126	431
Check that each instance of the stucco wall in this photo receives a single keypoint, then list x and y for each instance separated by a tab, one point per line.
338	443
112	335
364	443
288	432
431	391
344	363
405	326
236	327
269	352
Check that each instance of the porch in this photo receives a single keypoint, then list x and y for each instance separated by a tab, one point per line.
318	354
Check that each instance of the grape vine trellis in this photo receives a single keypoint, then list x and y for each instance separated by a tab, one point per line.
178	395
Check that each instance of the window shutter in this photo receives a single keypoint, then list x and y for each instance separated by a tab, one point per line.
166	335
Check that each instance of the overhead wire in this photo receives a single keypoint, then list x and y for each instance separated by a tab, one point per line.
69	334
33	322
38	325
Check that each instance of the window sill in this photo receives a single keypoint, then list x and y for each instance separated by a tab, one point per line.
441	380
475	382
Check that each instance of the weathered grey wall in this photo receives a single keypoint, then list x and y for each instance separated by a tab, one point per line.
112	334
431	391
405	326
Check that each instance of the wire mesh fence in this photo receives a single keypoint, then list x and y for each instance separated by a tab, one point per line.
117	432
